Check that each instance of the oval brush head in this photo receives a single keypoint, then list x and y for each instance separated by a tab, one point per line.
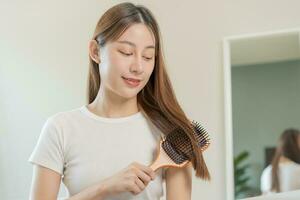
176	149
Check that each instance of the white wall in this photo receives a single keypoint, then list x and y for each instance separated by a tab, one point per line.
43	67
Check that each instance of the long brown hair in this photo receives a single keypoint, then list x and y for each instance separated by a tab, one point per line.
288	147
157	99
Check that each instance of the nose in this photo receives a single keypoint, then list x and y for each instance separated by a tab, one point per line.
137	66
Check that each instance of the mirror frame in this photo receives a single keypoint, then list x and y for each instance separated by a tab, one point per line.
229	176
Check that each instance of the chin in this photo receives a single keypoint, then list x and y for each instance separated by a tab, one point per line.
128	94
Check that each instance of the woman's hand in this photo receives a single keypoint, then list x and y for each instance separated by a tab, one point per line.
134	178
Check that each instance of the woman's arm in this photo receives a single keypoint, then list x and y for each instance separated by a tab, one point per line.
179	183
46	184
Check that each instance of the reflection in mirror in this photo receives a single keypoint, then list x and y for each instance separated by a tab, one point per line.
265	85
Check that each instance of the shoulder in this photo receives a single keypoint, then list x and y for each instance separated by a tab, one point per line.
292	167
62	117
265	180
57	126
266	172
60	122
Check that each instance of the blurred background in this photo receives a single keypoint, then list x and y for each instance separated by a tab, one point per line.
44	64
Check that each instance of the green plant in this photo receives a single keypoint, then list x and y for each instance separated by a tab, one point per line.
240	178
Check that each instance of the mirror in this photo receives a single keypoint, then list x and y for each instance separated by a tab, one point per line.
262	95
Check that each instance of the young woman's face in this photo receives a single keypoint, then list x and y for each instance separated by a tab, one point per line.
130	56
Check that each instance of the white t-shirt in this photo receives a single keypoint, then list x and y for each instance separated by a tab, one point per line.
86	148
289	177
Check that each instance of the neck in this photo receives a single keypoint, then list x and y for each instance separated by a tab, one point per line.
111	105
284	159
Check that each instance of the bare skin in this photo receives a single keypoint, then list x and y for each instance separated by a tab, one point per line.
283	159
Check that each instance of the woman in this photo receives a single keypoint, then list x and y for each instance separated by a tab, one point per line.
284	173
103	150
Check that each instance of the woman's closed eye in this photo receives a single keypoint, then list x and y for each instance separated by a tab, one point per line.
129	54
147	58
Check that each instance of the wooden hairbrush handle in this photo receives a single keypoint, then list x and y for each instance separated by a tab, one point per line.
163	160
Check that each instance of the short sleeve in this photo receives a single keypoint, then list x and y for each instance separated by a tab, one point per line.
265	181
48	151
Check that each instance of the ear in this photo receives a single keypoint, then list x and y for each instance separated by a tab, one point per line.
94	51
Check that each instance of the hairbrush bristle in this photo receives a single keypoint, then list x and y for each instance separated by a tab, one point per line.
178	146
178	158
202	137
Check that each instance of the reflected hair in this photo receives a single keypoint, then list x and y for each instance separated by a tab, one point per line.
288	146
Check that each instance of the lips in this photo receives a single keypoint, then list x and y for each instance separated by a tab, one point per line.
132	79
131	82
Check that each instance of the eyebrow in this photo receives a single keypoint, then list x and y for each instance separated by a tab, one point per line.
132	44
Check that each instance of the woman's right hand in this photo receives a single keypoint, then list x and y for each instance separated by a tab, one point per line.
134	178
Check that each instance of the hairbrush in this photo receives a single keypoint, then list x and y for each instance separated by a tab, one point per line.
175	150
